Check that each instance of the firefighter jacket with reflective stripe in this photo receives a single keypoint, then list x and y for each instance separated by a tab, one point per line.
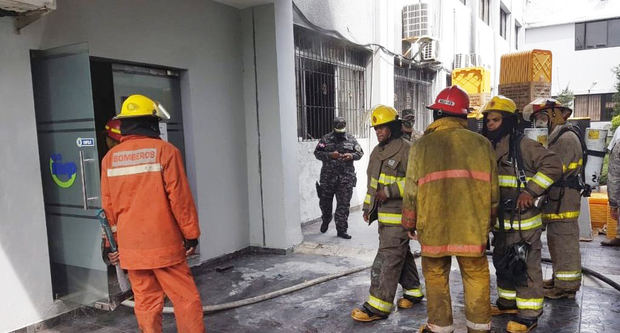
145	194
542	168
386	172
565	202
451	190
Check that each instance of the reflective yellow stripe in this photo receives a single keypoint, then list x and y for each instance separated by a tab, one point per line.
379	304
390	218
477	327
401	187
367	199
572	166
388	180
440	329
529	303
413	292
506	294
542	180
510	181
373	183
527	224
562	216
568	275
507	181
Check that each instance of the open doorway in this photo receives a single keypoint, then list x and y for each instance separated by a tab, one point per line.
75	95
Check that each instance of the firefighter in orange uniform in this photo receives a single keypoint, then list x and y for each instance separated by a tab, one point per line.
147	199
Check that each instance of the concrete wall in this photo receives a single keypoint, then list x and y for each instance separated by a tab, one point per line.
576	69
269	85
23	240
197	35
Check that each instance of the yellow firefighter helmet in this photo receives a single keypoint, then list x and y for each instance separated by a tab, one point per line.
140	106
383	114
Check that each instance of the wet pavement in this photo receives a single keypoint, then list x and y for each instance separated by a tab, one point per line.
326	307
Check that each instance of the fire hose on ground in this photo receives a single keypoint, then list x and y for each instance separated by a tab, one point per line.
264	297
325	278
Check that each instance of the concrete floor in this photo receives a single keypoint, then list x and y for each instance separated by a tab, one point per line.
326	307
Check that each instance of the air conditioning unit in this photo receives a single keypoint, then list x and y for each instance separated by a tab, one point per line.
463	60
429	51
416	21
23	6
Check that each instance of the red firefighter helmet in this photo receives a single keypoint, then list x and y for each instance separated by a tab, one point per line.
452	100
113	129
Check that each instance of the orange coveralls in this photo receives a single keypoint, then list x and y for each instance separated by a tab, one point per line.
146	196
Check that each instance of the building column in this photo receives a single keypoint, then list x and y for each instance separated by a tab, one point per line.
271	125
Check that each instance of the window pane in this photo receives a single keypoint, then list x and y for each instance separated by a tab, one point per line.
580	32
613	32
596	34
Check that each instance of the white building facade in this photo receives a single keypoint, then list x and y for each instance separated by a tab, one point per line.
235	68
584	38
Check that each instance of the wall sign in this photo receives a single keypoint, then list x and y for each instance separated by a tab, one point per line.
85	142
63	174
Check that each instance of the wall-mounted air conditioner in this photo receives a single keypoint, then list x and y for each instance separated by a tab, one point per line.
463	60
416	21
22	6
429	51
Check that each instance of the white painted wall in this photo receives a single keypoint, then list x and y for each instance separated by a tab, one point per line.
352	18
576	69
363	22
197	35
562	11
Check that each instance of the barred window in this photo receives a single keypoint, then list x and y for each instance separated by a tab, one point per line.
330	82
412	90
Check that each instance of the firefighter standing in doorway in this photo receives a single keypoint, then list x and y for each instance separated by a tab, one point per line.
146	197
394	262
562	211
337	150
451	194
525	171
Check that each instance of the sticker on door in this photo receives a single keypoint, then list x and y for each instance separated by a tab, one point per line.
85	142
63	174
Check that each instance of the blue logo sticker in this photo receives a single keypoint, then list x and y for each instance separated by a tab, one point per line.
63	174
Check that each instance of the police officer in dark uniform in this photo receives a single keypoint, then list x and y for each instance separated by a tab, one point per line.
408	119
337	150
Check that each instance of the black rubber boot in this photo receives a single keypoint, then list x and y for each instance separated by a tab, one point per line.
324	226
344	235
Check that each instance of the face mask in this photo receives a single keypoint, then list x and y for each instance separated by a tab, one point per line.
541	123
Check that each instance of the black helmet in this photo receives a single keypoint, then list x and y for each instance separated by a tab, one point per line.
340	125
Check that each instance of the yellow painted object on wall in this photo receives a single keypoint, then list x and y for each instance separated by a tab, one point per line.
527	66
474	80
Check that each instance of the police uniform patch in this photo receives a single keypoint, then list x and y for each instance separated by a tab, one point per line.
358	148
